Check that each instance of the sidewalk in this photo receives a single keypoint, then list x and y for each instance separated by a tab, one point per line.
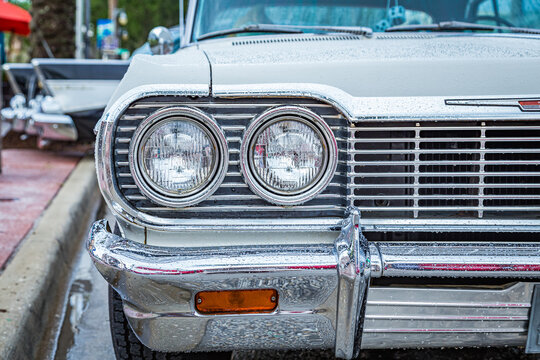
28	182
51	199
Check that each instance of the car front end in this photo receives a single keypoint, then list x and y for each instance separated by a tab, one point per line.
316	191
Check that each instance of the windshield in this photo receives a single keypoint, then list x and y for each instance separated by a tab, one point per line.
216	15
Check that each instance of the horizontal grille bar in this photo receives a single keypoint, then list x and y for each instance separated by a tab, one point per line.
405	197
235	197
445	140
439	128
231	208
442	186
229	105
446	151
443	162
450	208
444	174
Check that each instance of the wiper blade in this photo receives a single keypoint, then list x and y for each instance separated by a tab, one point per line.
460	25
355	30
251	28
289	29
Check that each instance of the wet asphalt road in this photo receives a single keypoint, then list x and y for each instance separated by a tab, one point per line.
85	331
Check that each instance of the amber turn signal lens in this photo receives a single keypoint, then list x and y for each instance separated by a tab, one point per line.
236	301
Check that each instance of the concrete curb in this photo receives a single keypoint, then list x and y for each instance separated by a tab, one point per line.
30	285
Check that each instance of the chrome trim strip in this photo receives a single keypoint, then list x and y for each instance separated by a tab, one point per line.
486	102
442	151
250	208
446	318
445	174
515	102
431	128
230	197
447	185
358	109
444	224
454	139
471	260
158	104
443	162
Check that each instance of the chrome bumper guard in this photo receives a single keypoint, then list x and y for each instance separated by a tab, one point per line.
322	293
56	127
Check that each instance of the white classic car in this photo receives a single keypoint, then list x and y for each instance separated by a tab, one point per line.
59	99
337	174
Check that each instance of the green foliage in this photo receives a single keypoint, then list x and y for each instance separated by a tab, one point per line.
25	4
143	15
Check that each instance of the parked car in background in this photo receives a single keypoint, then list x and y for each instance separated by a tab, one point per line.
76	92
62	99
292	179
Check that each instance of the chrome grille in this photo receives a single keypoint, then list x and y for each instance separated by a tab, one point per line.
446	169
233	198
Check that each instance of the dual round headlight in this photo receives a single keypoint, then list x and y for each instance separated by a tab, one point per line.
179	156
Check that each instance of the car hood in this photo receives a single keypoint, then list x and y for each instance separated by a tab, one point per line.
386	65
416	64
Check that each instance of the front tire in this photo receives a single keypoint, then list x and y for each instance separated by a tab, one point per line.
128	347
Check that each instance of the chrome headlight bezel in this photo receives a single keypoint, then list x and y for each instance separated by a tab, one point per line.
269	118
201	192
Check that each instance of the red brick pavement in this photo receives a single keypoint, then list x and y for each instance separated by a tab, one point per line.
29	181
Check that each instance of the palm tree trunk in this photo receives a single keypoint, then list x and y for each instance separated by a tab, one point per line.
53	21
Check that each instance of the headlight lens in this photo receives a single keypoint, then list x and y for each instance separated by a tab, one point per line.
178	156
288	155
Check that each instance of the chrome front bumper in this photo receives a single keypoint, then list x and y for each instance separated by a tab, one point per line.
322	290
